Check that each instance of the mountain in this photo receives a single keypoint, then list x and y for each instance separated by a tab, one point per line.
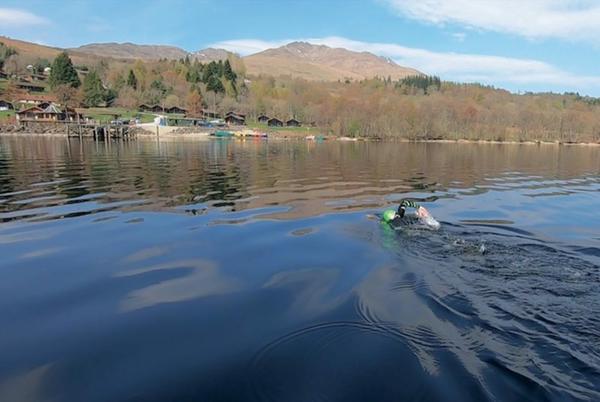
132	51
33	51
297	59
210	54
319	62
150	52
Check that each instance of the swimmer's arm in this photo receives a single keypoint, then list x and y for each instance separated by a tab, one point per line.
406	204
409	204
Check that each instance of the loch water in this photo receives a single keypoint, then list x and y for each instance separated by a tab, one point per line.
226	270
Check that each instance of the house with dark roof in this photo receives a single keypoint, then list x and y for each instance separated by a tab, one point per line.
151	108
274	122
52	113
29	113
175	110
38	99
28	86
263	119
237	119
292	123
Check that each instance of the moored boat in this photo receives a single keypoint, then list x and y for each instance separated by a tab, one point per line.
223	134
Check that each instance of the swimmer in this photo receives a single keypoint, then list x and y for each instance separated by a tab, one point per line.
423	215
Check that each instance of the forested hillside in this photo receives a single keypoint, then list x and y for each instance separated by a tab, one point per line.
414	107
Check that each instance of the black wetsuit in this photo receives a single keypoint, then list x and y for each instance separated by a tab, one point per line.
401	219
406	204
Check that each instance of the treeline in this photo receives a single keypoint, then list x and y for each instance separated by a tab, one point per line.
420	82
427	108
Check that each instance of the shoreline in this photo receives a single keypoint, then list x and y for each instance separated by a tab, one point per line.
145	134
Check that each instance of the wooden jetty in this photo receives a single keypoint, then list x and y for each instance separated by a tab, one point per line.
96	130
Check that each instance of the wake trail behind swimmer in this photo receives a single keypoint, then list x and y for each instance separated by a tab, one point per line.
422	214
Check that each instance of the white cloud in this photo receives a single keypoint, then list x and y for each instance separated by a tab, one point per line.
565	19
16	17
492	70
248	46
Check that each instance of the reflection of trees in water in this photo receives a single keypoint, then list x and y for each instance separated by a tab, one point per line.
306	176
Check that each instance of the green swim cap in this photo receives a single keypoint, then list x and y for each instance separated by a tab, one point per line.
389	215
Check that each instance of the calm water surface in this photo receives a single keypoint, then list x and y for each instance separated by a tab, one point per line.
242	271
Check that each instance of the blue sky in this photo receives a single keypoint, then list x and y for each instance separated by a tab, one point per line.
538	45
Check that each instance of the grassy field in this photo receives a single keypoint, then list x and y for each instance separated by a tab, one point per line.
106	114
6	113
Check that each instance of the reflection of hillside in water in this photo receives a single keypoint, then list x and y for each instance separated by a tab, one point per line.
311	178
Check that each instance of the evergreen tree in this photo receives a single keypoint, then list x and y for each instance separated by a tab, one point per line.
157	92
132	80
110	96
93	90
159	86
5	53
209	70
214	84
194	74
63	73
228	72
423	82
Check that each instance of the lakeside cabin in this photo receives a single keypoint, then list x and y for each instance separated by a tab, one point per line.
274	122
52	113
38	100
237	119
151	108
27	86
159	109
30	113
292	123
263	119
176	110
6	105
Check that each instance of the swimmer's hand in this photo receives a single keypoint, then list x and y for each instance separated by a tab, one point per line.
422	212
426	218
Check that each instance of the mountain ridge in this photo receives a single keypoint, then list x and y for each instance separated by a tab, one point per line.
321	62
128	50
315	62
